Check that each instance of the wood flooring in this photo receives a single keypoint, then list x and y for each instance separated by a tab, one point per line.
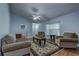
67	52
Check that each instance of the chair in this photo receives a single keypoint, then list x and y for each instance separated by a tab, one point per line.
69	40
12	48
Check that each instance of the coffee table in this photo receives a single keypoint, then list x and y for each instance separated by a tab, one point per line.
39	40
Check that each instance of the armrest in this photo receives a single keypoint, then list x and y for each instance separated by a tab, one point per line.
58	37
68	40
16	46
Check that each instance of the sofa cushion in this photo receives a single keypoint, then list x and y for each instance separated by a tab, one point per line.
68	40
70	35
21	39
9	39
16	46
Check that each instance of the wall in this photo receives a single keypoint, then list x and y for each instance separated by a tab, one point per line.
41	27
68	23
4	20
16	21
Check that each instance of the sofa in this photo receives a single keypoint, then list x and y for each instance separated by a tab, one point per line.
12	47
68	40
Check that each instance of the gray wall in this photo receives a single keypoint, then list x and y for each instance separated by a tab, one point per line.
16	21
68	23
4	20
41	27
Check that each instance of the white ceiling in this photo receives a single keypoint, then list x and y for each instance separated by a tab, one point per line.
46	10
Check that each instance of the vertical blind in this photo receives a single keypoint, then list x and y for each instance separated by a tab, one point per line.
53	29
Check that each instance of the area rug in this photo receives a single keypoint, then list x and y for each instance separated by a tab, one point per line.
46	50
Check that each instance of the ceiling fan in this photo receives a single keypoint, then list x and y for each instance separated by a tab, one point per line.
35	16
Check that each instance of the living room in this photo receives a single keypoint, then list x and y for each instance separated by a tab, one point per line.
37	26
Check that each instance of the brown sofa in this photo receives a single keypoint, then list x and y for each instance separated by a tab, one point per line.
69	40
12	48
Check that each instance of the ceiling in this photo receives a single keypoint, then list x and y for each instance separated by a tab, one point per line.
47	11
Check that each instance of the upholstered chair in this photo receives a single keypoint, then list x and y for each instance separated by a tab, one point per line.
69	40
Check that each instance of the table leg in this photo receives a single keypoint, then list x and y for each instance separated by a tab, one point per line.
44	41
37	41
40	42
33	39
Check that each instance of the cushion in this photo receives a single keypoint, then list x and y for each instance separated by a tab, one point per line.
12	35
23	38
9	39
19	45
18	36
70	35
68	40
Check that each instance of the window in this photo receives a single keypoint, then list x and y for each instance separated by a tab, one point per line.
53	29
35	27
